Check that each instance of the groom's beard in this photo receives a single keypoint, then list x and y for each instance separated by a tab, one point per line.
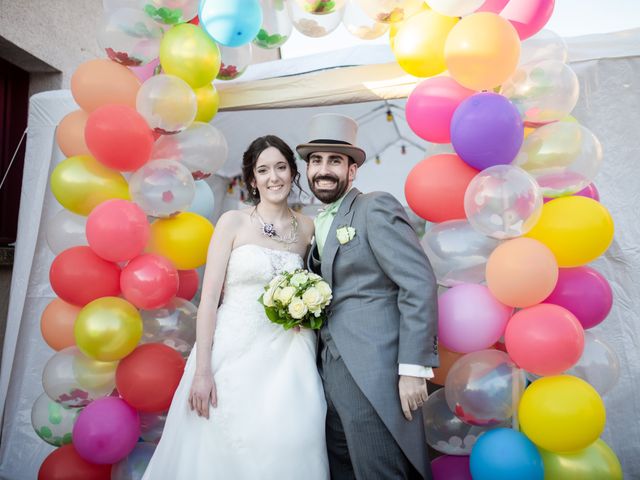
328	195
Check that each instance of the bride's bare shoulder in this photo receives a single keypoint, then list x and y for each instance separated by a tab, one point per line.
233	219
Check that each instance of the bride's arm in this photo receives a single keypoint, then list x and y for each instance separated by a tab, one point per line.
203	389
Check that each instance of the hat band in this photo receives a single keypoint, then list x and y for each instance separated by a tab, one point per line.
327	141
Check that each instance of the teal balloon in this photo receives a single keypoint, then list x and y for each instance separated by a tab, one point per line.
231	22
203	202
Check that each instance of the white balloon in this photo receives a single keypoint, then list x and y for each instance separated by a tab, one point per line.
314	25
66	230
167	103
359	24
455	8
457	252
234	61
276	25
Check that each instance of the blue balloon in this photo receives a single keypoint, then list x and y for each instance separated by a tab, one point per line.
231	22
504	454
203	201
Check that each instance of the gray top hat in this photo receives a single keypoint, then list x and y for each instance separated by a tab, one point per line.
332	132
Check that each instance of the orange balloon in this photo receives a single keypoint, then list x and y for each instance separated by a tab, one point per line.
521	272
482	51
435	187
57	322
70	134
447	359
102	82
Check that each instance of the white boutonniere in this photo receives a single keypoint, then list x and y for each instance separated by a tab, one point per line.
345	234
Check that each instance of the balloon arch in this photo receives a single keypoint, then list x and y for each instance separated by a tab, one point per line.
516	219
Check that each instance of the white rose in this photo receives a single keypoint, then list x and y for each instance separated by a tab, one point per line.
314	277
325	290
299	279
267	298
342	235
297	308
284	295
313	299
277	280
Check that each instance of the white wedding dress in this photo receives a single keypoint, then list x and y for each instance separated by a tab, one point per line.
270	418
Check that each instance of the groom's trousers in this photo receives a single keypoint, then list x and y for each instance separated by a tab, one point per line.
359	444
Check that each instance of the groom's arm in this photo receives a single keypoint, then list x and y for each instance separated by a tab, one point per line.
398	252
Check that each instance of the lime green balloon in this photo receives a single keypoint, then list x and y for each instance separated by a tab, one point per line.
186	51
596	462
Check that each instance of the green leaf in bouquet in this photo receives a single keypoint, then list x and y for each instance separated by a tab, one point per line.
272	314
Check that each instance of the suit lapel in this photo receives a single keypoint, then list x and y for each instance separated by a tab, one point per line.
343	217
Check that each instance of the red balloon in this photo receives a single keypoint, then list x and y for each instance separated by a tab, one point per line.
149	281
79	276
188	285
544	339
149	376
435	187
119	137
117	230
64	463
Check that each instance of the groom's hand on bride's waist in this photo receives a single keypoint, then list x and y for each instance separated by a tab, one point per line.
413	394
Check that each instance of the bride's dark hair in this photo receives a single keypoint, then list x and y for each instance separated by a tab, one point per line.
250	158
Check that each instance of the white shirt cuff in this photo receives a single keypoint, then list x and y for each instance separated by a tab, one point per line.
409	370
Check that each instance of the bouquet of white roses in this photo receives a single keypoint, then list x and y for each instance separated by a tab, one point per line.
296	298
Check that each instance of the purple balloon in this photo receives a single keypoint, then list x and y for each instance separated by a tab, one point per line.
106	431
449	467
590	191
585	293
486	130
470	318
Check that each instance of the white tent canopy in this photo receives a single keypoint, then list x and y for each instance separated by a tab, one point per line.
608	67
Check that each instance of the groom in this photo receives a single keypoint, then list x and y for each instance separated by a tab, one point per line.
380	341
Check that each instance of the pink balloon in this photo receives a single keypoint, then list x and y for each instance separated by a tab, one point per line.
117	230
431	105
585	293
188	285
149	281
493	6
470	318
528	16
147	71
544	339
590	191
106	431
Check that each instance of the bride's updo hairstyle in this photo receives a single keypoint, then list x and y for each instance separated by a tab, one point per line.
250	158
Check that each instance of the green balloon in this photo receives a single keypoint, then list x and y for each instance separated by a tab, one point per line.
596	462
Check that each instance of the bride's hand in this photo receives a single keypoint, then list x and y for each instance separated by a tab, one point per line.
203	391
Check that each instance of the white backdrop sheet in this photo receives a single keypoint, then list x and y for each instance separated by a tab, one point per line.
609	106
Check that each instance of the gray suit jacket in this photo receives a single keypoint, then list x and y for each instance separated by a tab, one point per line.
384	307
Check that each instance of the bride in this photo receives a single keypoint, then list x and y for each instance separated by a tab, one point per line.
250	403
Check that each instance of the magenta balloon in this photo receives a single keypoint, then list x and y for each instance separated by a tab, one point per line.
528	16
449	467
493	6
585	293
431	105
486	130
106	431
590	191
470	318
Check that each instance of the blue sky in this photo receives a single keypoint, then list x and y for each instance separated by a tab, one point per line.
570	18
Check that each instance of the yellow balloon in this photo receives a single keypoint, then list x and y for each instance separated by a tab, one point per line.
183	239
186	51
576	229
81	183
419	44
482	51
108	329
596	462
561	413
208	103
395	27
